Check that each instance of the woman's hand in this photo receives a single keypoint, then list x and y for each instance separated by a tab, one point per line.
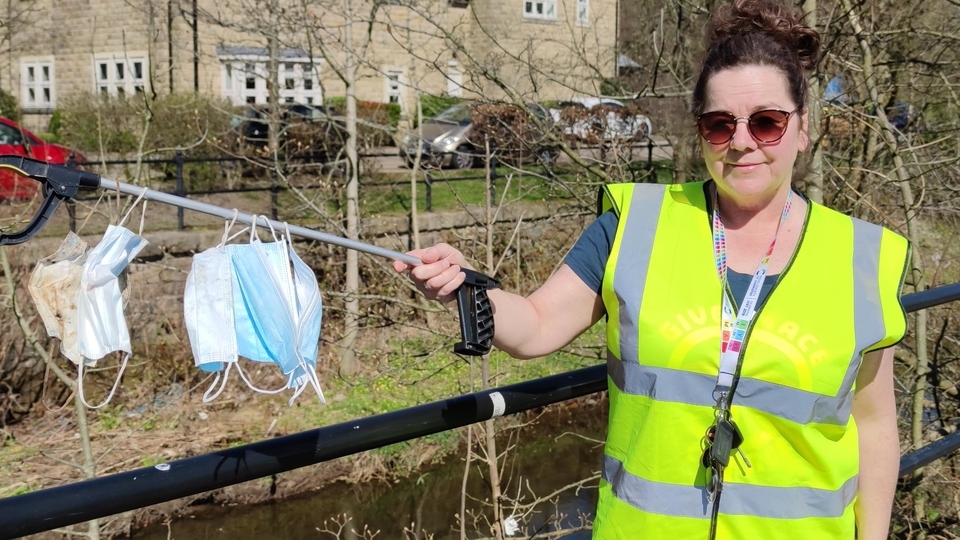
439	276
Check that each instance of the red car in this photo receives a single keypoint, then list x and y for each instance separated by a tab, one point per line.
16	140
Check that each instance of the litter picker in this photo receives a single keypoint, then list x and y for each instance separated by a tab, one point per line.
60	183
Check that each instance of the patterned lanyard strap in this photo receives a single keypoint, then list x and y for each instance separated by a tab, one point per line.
734	331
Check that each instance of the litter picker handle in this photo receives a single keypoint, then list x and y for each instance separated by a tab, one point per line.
476	314
60	183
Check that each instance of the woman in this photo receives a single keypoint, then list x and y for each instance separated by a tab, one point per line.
749	331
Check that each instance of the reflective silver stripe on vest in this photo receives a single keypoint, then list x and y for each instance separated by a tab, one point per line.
738	499
633	261
869	325
680	386
674	385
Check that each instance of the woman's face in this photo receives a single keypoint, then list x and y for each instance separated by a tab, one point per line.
746	170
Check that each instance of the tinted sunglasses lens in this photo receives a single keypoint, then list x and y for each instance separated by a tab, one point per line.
768	126
717	127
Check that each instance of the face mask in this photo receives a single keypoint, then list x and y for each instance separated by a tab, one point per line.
266	310
308	316
54	287
208	315
101	327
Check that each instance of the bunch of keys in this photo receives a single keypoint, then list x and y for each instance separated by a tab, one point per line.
723	438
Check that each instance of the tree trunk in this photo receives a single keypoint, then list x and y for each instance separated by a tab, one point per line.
351	323
911	211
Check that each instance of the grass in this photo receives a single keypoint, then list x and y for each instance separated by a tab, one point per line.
389	194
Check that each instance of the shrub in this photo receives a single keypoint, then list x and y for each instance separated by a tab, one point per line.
376	122
9	108
92	123
100	126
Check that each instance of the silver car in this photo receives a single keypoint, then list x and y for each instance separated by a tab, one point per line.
445	140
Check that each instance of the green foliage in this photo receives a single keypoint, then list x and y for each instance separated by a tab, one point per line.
93	124
56	123
376	122
612	87
9	108
99	125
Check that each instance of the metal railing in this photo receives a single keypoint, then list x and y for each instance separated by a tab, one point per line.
179	160
91	499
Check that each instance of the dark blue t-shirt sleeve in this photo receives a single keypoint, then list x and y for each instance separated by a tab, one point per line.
589	255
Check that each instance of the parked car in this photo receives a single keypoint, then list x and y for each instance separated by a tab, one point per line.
16	140
452	138
600	120
306	131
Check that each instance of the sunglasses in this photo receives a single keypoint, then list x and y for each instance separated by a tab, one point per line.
766	126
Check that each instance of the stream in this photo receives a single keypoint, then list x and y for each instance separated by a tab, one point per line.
558	450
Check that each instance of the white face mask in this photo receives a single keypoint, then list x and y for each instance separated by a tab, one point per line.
308	316
101	327
54	287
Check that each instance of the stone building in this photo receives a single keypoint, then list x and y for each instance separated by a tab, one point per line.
531	50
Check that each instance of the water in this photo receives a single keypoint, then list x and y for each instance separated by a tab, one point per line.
543	461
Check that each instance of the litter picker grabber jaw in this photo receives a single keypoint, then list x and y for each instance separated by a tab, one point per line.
62	183
59	183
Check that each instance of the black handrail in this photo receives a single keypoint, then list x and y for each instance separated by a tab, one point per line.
91	499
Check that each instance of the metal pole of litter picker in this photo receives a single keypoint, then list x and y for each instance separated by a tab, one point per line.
262	221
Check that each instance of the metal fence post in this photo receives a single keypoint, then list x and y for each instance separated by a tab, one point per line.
650	170
178	159
429	194
71	205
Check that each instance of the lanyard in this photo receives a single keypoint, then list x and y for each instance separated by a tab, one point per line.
734	331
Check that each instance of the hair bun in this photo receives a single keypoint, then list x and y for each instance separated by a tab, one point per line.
783	23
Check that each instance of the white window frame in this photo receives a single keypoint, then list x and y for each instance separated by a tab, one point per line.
454	80
116	74
37	90
583	12
304	86
545	10
393	86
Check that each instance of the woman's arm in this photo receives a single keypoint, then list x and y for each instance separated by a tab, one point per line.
554	315
874	408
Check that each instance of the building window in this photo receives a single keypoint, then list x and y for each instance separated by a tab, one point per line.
120	75
454	80
36	85
394	90
244	73
540	9
583	12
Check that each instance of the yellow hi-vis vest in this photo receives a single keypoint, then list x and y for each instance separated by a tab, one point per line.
837	299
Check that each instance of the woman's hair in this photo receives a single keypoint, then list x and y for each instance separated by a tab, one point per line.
759	33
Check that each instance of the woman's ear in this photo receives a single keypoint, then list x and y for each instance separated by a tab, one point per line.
804	135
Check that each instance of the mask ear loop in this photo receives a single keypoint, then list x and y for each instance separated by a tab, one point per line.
207	398
227	226
116	383
254	388
253	229
273	231
132	207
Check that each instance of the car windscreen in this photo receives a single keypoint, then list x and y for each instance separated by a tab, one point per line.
458	114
